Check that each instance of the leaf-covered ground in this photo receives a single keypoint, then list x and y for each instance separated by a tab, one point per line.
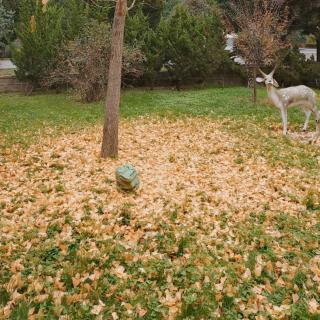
25	120
224	226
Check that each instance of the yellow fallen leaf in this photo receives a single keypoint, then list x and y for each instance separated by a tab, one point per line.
76	280
258	270
295	298
97	309
41	298
120	272
247	274
142	312
313	306
219	286
280	282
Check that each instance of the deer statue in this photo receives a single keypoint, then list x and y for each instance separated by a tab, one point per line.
301	96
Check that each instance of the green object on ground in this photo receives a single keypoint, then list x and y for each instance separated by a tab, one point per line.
127	178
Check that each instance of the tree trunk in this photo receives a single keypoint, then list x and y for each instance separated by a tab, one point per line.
252	74
249	75
111	123
151	78
318	46
178	85
254	93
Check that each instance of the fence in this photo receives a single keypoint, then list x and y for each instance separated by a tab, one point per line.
163	79
11	84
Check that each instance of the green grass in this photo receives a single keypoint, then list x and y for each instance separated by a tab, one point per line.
22	117
187	263
23	120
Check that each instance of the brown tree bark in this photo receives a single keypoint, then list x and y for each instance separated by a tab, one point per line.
254	93
318	46
110	131
252	74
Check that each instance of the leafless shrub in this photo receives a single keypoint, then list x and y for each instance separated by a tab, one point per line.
83	63
261	28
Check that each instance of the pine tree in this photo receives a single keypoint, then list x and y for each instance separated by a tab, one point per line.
74	16
6	24
193	44
306	17
140	33
41	34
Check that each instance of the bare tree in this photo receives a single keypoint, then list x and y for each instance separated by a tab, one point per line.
261	28
111	124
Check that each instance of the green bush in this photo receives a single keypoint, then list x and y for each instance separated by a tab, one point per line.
74	16
40	34
193	44
6	24
140	33
188	42
99	10
42	31
295	70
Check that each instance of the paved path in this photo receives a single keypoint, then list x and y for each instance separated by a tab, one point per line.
6	64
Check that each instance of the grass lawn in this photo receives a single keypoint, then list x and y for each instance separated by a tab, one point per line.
225	225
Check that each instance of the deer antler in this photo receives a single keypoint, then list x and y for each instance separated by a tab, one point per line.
275	68
262	72
273	71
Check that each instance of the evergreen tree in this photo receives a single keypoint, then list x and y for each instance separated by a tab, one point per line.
306	17
194	44
74	16
199	7
12	5
41	35
100	10
153	9
169	6
6	24
141	33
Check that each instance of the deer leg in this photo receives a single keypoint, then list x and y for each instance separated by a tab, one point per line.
284	116
317	117
308	114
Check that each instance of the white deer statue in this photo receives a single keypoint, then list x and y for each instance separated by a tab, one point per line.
301	96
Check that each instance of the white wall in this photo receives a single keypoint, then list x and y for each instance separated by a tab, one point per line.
309	52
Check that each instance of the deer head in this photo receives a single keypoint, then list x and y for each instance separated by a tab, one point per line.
268	78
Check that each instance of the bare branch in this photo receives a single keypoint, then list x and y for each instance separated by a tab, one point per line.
262	27
132	5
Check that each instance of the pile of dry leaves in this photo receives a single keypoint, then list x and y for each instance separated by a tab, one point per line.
243	230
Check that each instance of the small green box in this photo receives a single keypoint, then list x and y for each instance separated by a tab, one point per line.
127	178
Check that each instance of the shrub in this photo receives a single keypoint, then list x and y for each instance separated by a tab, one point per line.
6	24
295	70
42	31
139	33
311	74
193	44
40	35
74	16
99	10
83	63
188	42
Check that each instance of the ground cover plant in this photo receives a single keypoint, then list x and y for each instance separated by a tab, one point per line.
225	225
